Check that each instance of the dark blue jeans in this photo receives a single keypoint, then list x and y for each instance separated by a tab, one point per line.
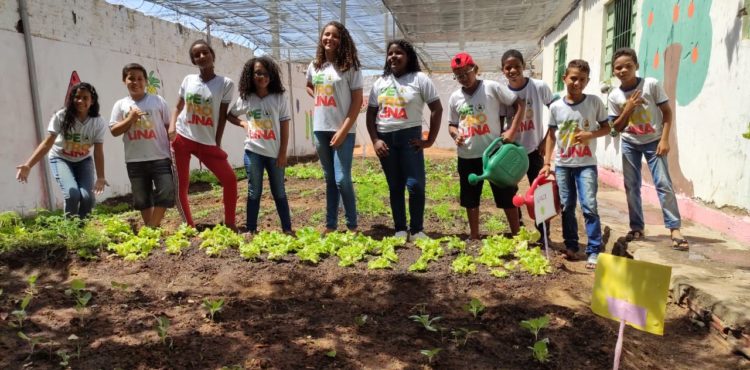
254	165
76	180
404	168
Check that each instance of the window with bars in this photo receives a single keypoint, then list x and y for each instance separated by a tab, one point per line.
618	31
560	56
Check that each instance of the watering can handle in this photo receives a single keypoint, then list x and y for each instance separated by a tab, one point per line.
540	179
490	149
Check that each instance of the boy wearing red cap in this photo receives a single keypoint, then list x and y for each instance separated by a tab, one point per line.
474	122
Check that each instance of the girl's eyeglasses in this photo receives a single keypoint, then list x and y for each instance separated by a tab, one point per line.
457	76
260	74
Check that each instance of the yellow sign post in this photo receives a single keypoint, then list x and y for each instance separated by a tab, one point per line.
631	292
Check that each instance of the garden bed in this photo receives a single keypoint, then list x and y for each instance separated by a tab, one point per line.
290	314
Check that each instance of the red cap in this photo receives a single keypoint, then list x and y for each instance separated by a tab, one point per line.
462	59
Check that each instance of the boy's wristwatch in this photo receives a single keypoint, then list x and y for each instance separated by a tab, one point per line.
612	131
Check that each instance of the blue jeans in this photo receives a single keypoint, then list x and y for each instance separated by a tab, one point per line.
631	170
404	168
337	169
76	180
584	182
254	165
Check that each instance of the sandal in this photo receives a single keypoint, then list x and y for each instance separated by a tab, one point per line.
569	255
680	244
591	261
634	235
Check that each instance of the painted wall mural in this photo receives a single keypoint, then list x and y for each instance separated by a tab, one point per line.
153	83
676	44
675	48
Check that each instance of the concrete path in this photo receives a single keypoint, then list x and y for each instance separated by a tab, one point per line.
713	279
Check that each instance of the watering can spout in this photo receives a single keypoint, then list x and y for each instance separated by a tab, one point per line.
475	179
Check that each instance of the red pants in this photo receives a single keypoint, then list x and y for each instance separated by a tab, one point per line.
216	160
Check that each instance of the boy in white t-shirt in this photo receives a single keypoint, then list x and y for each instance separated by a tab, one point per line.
474	122
640	110
143	120
575	122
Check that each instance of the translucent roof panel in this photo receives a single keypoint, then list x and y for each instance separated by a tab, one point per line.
484	28
296	22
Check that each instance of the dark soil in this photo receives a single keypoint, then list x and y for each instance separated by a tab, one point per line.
287	315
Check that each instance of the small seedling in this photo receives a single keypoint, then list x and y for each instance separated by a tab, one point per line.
426	321
64	357
430	353
475	307
361	320
162	329
331	353
536	325
74	338
461	336
120	286
31	280
20	314
32	341
77	291
213	306
540	350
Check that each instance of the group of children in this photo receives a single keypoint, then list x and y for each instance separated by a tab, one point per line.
159	143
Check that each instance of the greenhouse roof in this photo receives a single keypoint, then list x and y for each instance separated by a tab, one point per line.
437	28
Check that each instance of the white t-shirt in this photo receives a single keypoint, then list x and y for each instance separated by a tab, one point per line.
264	117
478	116
146	139
332	91
76	144
646	122
198	120
400	100
569	119
537	95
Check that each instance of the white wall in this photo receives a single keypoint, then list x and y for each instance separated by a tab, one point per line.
713	158
96	39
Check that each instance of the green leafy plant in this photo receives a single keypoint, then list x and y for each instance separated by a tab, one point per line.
431	353
137	247
499	273
540	351
427	322
213	306
74	338
120	286
536	325
218	239
180	240
162	330
464	264
332	353
31	284
64	357
431	251
80	296
475	307
20	314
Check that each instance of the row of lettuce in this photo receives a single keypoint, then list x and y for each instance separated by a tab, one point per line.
499	254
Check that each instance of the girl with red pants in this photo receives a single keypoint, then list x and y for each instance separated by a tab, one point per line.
197	126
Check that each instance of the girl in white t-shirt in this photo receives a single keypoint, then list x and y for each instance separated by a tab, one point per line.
72	133
197	130
264	105
394	122
334	80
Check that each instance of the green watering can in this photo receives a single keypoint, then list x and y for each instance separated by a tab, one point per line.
504	164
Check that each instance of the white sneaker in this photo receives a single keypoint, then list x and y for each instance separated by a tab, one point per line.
402	234
417	236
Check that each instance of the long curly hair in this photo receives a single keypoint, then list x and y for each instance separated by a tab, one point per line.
346	55
247	78
412	61
70	109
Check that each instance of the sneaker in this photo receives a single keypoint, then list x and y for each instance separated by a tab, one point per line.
417	236
402	234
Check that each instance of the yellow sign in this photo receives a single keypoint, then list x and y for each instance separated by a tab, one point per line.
630	290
